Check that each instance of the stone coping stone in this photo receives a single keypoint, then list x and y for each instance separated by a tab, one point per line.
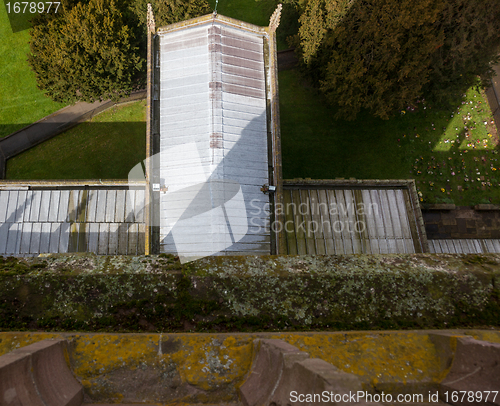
486	207
280	370
475	367
16	384
412	361
38	375
446	206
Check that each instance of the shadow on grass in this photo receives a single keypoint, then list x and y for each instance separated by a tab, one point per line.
91	150
455	158
19	15
376	57
315	145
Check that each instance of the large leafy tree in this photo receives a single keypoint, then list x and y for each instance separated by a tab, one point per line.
384	54
86	53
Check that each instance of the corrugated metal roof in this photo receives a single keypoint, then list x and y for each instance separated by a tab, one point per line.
465	246
62	219
213	141
363	220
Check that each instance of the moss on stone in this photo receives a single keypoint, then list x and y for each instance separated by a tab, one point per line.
157	293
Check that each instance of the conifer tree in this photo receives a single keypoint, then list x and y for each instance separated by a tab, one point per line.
170	11
384	54
88	53
470	46
96	49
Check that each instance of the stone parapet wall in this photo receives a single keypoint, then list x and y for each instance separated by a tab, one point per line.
483	221
210	368
157	293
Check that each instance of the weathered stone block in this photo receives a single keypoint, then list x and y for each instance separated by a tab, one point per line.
475	367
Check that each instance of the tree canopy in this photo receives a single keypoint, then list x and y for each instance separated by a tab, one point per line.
96	49
86	53
384	54
171	11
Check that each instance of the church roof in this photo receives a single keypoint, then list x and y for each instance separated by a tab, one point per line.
40	217
214	124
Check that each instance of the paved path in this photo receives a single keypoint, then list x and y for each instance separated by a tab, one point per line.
287	59
53	125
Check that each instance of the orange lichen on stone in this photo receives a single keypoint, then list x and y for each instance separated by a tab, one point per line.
214	366
95	354
10	341
376	357
492	336
207	360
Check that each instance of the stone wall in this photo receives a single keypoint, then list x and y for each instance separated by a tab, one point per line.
203	368
219	294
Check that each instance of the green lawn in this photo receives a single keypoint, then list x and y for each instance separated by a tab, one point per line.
250	11
255	12
21	103
449	162
430	145
107	147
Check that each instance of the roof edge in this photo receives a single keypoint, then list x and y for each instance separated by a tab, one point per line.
213	18
340	182
69	183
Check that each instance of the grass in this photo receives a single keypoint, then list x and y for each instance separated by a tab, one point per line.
22	103
452	159
250	11
431	145
255	12
107	147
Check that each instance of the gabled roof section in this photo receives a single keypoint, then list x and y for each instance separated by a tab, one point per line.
214	103
213	18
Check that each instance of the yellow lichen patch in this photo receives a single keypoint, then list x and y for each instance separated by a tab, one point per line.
96	354
12	341
207	360
492	336
375	357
